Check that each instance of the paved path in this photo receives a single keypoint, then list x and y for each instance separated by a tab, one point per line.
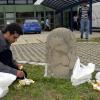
32	48
29	52
41	38
32	38
88	52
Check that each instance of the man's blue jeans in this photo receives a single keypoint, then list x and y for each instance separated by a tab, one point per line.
85	24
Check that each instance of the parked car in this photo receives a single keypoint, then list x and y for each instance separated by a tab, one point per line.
31	26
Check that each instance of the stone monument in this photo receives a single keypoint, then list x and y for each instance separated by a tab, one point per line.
61	53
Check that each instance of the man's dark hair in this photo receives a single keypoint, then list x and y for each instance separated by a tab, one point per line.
13	28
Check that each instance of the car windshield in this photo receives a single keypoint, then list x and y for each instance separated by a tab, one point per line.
28	24
30	21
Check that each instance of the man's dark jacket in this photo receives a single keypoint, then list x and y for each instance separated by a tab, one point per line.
7	64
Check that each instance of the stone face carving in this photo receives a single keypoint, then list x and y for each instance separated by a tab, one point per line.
61	53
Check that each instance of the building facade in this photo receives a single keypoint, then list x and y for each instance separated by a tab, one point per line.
18	14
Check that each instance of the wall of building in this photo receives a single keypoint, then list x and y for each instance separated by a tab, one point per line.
18	13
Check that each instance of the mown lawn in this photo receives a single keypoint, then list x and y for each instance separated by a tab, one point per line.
50	88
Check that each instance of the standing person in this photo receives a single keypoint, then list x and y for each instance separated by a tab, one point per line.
7	65
47	23
75	19
42	25
84	14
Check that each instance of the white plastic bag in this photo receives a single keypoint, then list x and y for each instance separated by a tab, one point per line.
97	77
3	91
6	80
81	73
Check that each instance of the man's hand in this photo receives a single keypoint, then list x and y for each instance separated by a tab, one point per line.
20	66
20	74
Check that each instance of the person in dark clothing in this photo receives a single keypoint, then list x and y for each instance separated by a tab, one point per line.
75	22
9	35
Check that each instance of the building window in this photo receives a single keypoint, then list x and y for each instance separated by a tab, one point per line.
10	15
10	1
1	21
3	1
25	15
20	1
1	15
10	21
9	18
17	1
30	1
21	17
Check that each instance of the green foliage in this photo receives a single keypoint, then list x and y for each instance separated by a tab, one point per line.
49	88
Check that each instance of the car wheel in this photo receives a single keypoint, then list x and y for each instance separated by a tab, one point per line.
39	32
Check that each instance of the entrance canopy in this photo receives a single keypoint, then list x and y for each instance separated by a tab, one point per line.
63	4
55	4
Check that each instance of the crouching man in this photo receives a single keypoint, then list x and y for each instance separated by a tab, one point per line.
9	69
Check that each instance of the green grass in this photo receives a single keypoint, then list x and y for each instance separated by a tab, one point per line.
50	88
96	39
